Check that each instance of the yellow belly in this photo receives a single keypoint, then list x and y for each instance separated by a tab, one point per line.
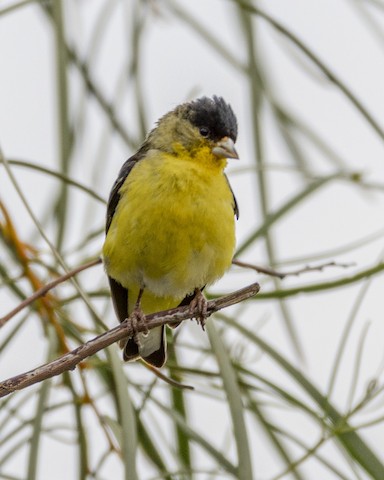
173	230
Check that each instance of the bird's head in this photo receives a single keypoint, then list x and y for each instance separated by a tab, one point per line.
205	123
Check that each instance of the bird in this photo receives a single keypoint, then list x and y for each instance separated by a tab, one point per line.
170	223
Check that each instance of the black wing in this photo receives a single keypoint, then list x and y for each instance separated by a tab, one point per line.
118	292
235	205
114	196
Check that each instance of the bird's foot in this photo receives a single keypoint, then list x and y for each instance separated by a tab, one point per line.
199	308
136	318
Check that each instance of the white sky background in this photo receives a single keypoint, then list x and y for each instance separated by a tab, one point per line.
348	36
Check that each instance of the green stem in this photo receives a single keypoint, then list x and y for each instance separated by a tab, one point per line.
63	128
344	433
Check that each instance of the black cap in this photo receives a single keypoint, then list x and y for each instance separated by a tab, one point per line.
213	114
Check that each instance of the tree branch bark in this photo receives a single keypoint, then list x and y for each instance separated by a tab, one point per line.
70	360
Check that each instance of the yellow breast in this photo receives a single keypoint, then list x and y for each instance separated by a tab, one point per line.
173	229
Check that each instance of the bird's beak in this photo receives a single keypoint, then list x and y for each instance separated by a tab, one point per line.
225	148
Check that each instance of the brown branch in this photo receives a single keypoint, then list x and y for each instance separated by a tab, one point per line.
274	273
45	289
71	359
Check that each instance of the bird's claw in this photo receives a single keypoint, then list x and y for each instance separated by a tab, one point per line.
135	318
199	308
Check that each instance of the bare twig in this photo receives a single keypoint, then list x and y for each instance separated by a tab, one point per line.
71	359
274	273
45	289
166	379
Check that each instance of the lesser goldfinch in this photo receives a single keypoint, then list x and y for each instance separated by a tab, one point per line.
170	226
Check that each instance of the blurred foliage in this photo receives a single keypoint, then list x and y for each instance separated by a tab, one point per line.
108	416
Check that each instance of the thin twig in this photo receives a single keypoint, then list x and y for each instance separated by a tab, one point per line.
45	289
166	379
275	273
71	359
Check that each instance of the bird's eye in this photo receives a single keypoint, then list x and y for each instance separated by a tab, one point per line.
204	131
